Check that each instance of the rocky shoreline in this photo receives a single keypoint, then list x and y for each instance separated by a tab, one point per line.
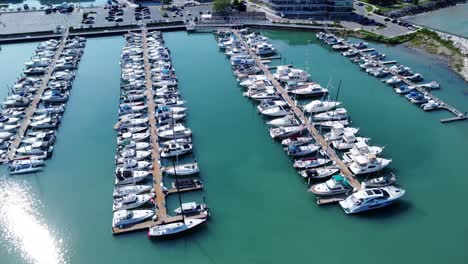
426	7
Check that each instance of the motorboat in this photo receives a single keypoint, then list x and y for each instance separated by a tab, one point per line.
176	132
337	185
369	199
415	77
135	165
317	106
133	154
309	163
129	144
128	180
330	124
24	169
288	120
303	150
130	201
381	181
191	208
348	141
404	89
137	137
183	169
319	173
186	140
131	189
296	141
431	105
313	89
34	162
275	111
125	218
361	148
173	229
363	164
265	104
333	115
337	132
174	150
394	80
430	85
284	132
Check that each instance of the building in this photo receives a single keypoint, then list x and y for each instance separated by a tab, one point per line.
310	8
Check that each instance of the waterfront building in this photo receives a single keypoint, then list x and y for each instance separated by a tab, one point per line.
310	8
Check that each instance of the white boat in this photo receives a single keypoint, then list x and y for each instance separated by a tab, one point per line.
135	145
296	151
319	173
296	141
23	169
313	89
191	208
5	135
176	141
34	162
131	189
130	201
129	180
369	199
288	120
431	85
334	115
275	111
335	186
309	163
251	80
136	165
318	106
175	133
330	124
125	218
348	141
337	132
176	150
431	105
284	132
361	148
172	229
363	164
183	169
134	154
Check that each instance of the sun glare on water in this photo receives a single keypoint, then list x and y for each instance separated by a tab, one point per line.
21	226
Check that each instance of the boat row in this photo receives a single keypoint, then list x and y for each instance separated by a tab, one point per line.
332	121
39	98
142	88
402	79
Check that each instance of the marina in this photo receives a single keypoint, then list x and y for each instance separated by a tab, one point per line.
177	139
362	159
149	86
373	64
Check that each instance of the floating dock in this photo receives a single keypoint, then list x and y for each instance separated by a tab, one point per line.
459	115
35	102
300	115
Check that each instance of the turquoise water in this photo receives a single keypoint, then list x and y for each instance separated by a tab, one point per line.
452	19
261	211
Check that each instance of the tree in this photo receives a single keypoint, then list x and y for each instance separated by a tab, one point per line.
221	5
166	2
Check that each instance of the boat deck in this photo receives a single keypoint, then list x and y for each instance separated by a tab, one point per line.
305	121
459	115
29	112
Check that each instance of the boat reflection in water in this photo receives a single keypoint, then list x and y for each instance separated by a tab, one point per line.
21	225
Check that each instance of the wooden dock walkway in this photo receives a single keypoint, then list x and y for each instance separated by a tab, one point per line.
459	115
305	121
160	198
29	112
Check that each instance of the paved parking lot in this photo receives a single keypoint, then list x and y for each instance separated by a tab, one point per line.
26	22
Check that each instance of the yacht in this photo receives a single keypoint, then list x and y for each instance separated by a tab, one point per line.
337	132
330	124
177	228
337	114
431	85
288	120
284	132
175	133
264	49
381	181
125	218
369	199
191	208
309	163
335	186
183	170
319	173
296	141
303	150
130	201
131	189
404	89
361	148
348	141
275	111
431	105
313	89
363	164
318	106
176	150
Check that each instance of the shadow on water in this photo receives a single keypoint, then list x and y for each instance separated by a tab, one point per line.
388	212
